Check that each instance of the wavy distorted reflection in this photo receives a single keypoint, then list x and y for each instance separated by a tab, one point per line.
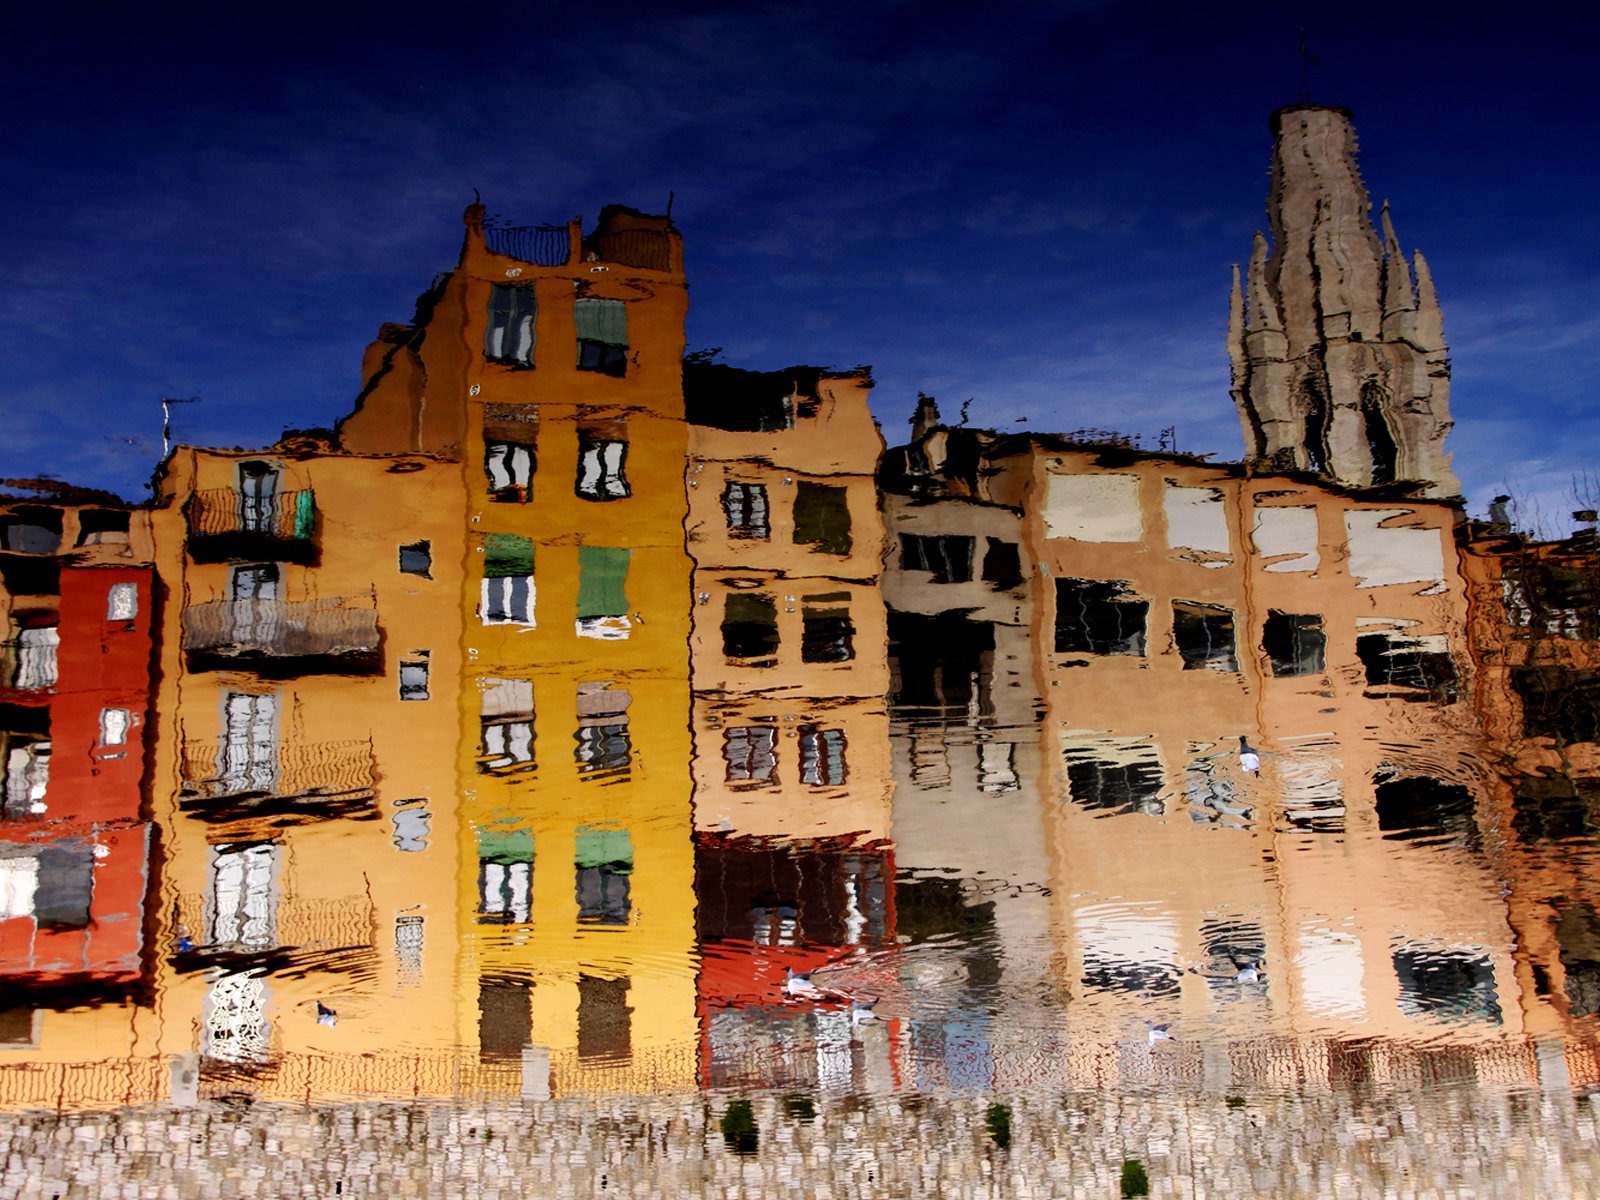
632	723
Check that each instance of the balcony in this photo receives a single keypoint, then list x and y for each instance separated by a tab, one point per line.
278	638
310	781
226	524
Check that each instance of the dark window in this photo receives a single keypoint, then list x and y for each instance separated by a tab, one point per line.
1416	807
602	335
750	628
1111	787
822	517
417	559
751	752
31	531
948	558
1447	985
256	581
505	1018
1294	643
821	756
1380	440
746	507
1559	703
604	868
1407	668
826	633
1002	564
509	336
508	467
100	525
605	1021
65	888
1203	634
1099	616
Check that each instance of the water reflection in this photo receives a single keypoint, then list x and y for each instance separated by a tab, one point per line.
632	723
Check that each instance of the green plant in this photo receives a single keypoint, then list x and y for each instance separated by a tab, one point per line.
1134	1181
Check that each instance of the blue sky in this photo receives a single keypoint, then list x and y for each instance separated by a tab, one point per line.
1030	206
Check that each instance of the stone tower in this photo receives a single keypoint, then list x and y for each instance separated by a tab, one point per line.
1339	359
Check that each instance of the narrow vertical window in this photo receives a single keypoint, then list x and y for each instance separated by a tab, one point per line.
604	751
605	1019
745	505
508	470
505	875
604	869
822	517
602	461
508	591
507	718
114	724
821	756
509	336
602	335
602	594
751	754
258	497
1295	643
1203	634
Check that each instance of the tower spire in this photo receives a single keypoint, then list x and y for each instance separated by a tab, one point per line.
1342	368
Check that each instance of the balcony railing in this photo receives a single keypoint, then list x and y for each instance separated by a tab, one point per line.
226	523
307	781
28	665
337	634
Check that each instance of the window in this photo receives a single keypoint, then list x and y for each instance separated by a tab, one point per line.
604	751
36	658
505	875
746	507
248	756
508	466
122	602
257	581
509	336
1115	777
826	633
114	724
505	1018
948	558
1294	643
602	335
101	527
605	1020
1407	668
750	628
1203	634
822	517
1099	616
751	752
27	767
258	497
602	593
506	712
244	902
1002	564
821	756
417	559
604	867
508	591
31	531
413	681
411	827
600	468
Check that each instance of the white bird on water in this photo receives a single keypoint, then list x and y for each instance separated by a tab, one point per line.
1159	1033
1249	760
796	985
